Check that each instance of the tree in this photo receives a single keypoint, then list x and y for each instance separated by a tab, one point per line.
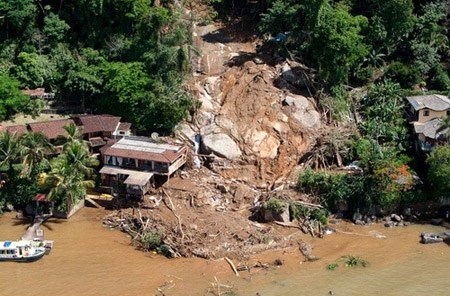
55	28
19	15
82	80
34	152
29	70
438	171
337	44
10	150
382	109
70	171
12	100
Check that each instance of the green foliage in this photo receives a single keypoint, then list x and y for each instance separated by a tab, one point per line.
353	261
438	171
55	28
403	74
337	43
349	261
46	46
12	100
332	266
21	161
440	79
300	212
68	178
29	70
281	17
276	205
18	17
382	109
152	239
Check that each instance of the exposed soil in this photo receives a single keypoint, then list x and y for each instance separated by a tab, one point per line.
258	107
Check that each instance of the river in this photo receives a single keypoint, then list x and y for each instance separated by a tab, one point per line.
88	259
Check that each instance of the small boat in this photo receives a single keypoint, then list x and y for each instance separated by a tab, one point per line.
20	251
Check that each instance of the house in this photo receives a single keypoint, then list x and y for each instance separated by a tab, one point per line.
38	93
131	163
18	130
97	129
425	113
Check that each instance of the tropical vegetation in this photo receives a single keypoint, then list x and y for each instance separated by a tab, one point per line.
29	165
126	58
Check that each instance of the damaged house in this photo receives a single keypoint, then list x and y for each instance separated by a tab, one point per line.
132	163
425	113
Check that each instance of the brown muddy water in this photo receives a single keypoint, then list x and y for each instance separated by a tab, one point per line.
88	259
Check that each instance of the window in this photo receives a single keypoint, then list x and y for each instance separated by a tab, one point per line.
426	113
448	112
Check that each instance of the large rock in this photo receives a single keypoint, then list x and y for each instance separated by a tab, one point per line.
221	145
262	143
187	132
269	215
308	118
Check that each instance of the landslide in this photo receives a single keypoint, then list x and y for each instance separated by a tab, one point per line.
254	122
254	116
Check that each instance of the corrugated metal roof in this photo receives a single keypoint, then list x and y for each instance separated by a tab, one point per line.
134	177
429	128
433	102
145	149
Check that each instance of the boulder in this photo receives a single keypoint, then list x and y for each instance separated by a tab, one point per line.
243	192
221	145
269	215
262	143
289	101
309	118
301	102
187	132
389	224
396	218
357	216
431	238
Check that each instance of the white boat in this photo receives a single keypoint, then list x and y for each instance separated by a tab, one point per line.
21	251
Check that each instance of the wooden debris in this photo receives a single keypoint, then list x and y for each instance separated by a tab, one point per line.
232	266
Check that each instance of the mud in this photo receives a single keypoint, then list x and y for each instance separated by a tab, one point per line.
88	259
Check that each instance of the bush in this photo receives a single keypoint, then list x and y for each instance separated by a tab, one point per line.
276	205
405	75
440	79
152	239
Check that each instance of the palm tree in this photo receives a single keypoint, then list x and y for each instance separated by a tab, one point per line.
35	147
67	178
73	134
444	126
79	158
10	149
66	184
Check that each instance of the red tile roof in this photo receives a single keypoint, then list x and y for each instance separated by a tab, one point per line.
51	129
17	129
97	123
37	92
124	126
